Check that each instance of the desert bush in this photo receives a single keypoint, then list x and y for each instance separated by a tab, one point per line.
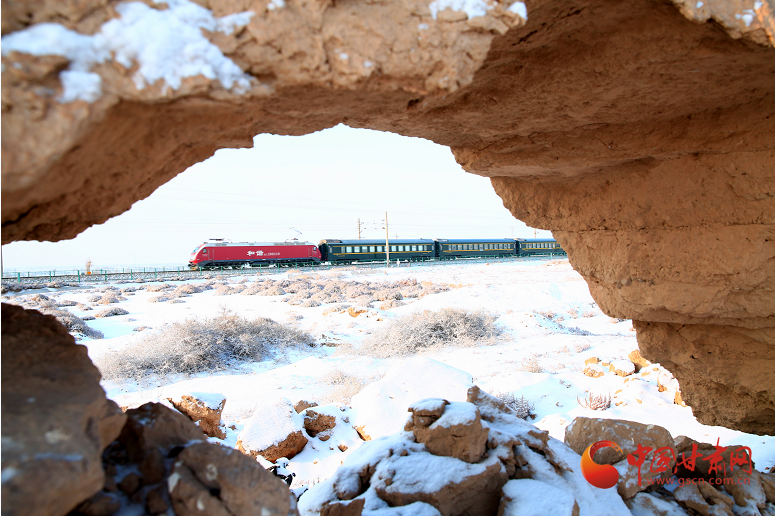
175	301
581	347
386	295
310	303
573	330
159	287
595	401
66	302
522	406
428	329
73	323
188	288
110	312
274	290
588	314
162	298
94	298
365	300
197	345
344	385
225	290
129	289
110	298
531	365
338	308
252	290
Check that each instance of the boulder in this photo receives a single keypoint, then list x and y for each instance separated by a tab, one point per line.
455	432
203	408
215	480
468	489
526	496
647	504
631	483
749	492
621	367
303	405
153	426
593	371
638	361
273	431
583	432
316	423
56	420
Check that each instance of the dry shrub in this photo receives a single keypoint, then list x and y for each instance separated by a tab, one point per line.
339	308
428	329
67	302
128	289
582	347
163	298
160	287
365	300
141	328
310	303
252	290
175	301
595	401
531	365
188	288
110	298
573	330
588	314
110	312
386	295
344	385
73	323
93	298
573	313
225	290
522	406
275	290
196	345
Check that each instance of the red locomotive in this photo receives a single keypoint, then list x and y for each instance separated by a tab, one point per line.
219	253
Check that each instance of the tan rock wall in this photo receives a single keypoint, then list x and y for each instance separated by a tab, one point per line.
640	132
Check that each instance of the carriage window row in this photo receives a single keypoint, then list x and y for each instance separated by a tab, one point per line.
477	247
544	245
381	248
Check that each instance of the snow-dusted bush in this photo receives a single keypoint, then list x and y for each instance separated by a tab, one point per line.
595	401
162	298
188	288
338	308
531	365
345	385
252	290
110	312
93	298
158	287
129	289
387	294
110	298
202	345
387	305
447	327
67	302
310	303
225	290
141	328
581	347
573	330
523	407
274	290
174	301
73	323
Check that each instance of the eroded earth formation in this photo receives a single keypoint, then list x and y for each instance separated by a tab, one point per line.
641	133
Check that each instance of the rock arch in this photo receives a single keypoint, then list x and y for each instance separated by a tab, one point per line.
641	133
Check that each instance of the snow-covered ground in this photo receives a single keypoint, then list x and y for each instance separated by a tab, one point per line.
550	324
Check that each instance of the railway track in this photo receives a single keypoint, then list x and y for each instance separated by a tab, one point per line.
160	274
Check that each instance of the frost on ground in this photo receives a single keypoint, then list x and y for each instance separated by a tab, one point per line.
537	326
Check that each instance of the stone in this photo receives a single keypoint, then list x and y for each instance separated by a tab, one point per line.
621	367
56	418
457	432
212	479
542	498
647	504
155	503
274	430
749	494
205	409
689	496
630	483
477	493
678	399
613	174
153	426
768	483
593	371
303	405
315	423
583	432
638	361
101	504
353	508
592	360
130	483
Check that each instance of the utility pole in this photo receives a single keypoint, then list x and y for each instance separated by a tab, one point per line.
387	243
359	228
535	233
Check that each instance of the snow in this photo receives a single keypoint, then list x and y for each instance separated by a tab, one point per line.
381	408
456	413
473	8
177	50
270	424
520	8
211	400
529	497
520	294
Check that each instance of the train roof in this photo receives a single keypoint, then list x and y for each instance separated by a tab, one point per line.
475	240
242	244
536	240
376	242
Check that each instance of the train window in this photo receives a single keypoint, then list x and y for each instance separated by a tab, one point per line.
379	248
372	248
357	249
393	248
349	249
204	250
414	248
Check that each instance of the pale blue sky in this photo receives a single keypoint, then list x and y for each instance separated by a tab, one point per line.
319	184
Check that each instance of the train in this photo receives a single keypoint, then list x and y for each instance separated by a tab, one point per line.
220	253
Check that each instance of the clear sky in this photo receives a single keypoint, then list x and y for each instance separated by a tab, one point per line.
319	184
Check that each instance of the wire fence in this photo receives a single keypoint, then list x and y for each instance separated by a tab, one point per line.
184	273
